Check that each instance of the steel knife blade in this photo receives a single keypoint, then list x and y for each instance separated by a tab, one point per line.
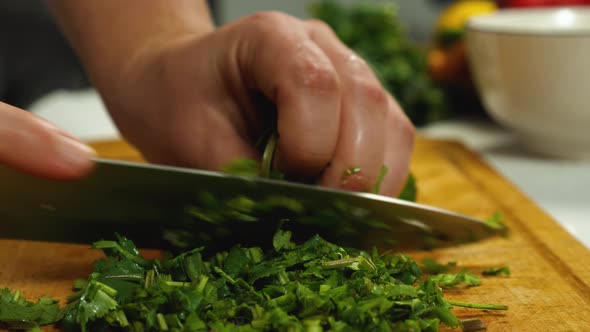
138	200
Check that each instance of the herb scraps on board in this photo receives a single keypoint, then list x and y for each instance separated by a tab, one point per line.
313	286
431	266
496	221
496	271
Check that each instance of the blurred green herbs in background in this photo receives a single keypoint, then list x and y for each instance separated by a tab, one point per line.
376	34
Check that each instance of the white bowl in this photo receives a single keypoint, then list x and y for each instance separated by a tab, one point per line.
532	70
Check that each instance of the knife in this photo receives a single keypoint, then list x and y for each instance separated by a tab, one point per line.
141	201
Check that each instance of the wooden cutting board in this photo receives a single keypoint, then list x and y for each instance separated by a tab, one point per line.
549	289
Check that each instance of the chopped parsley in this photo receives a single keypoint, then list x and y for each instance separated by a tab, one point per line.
495	271
313	286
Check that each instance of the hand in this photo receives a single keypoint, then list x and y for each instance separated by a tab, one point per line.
33	145
202	101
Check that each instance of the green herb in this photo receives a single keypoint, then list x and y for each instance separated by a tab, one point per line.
380	178
268	155
494	271
251	167
496	221
351	171
376	34
314	286
478	305
19	314
242	167
431	266
218	222
410	190
463	277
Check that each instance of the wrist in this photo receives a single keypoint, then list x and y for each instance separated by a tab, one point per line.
145	78
139	54
108	35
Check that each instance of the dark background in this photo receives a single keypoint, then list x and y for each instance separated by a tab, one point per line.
35	59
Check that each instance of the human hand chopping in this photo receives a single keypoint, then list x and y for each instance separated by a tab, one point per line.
187	94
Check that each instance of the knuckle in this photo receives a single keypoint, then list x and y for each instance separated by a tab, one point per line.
314	159
43	135
321	26
371	90
359	65
303	159
316	74
31	131
268	20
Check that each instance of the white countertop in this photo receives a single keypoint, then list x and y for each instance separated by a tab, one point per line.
560	187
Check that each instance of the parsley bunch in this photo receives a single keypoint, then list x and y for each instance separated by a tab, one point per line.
376	33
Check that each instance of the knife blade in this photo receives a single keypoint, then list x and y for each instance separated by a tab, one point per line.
138	200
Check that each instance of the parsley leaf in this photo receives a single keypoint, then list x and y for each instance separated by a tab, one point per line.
351	171
242	167
496	221
410	190
494	271
431	266
18	313
380	178
451	280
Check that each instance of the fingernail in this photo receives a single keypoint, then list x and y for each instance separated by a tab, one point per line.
73	152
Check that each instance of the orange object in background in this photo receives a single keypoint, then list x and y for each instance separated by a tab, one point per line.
449	65
447	59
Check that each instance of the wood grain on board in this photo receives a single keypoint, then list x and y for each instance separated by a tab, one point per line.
548	290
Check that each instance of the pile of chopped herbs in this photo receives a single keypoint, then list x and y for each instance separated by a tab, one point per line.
376	33
313	286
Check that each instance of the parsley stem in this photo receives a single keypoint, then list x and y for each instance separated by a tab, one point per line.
177	283
121	318
128	277
202	284
16	296
162	322
268	155
382	174
354	263
224	275
481	306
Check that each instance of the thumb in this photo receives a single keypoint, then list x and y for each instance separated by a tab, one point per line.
30	144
